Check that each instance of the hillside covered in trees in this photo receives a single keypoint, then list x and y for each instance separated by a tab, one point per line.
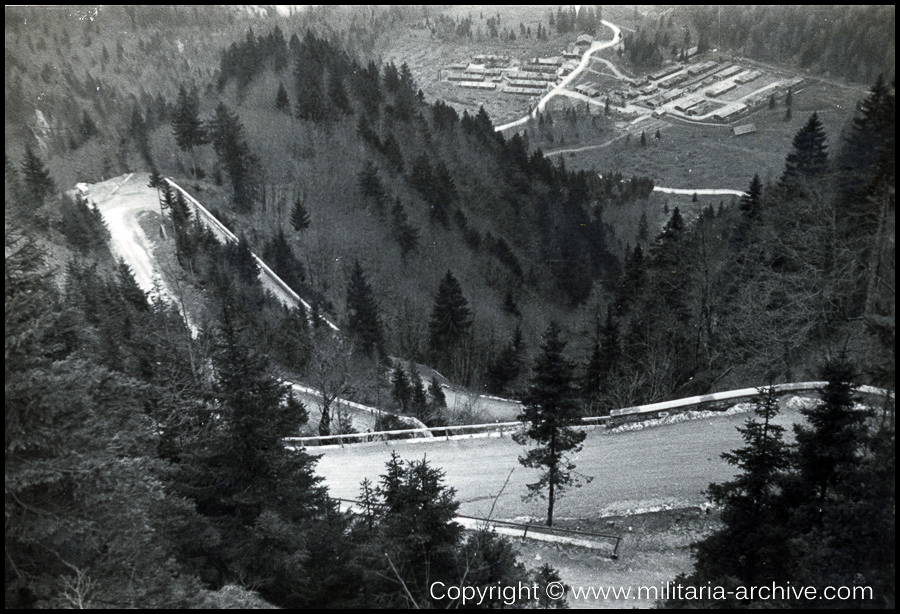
853	42
142	456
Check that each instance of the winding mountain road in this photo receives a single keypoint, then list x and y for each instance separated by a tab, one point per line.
585	61
656	467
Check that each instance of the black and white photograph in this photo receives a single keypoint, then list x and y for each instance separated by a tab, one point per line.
450	306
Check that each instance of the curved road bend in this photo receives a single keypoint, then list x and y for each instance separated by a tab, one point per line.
585	60
634	470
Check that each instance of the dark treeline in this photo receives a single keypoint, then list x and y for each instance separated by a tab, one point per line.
854	42
816	513
796	266
656	42
144	462
89	76
145	466
438	190
682	308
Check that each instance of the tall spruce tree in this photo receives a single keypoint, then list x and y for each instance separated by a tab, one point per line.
438	399
451	320
404	233
227	135
750	202
282	102
829	445
605	355
400	388
188	127
752	545
550	412
363	320
418	402
240	258
867	151
38	183
299	216
278	254
505	369
264	509
808	160
309	83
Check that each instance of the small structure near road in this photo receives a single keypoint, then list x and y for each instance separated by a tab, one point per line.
745	129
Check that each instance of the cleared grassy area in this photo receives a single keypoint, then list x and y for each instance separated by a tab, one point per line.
709	156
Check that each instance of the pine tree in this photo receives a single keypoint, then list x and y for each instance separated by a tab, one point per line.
88	128
309	85
371	187
633	279
418	402
36	178
299	216
605	355
421	176
129	289
240	257
643	233
363	321
337	95
752	546
828	446
188	127
282	102
643	139
505	369
750	202
227	136
550	411
278	254
400	388
392	153
416	536
403	232
509	304
451	320
865	161
262	504
443	195
808	160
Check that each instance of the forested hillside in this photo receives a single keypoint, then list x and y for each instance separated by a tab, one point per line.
853	42
144	462
324	162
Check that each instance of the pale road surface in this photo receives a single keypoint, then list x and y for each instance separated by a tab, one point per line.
585	60
122	200
700	191
638	470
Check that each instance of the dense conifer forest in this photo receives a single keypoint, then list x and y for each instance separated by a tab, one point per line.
144	461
